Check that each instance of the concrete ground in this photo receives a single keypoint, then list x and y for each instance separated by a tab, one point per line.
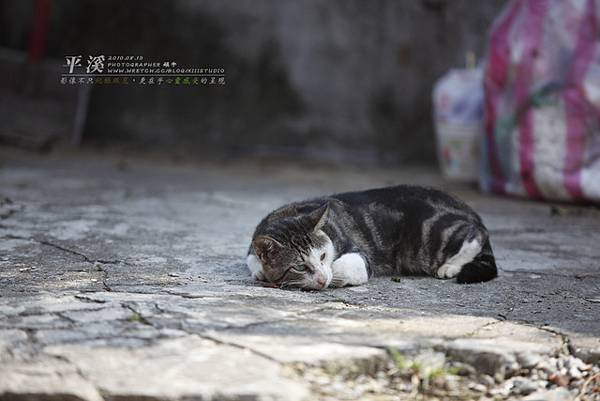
125	280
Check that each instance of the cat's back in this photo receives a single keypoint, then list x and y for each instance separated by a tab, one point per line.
399	195
412	200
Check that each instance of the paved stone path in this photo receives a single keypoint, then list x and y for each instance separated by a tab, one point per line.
125	280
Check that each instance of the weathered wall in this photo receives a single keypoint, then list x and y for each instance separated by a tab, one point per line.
333	79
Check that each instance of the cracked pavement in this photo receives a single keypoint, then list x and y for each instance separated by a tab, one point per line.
125	280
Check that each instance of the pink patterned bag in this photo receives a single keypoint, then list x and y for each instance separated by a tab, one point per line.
542	101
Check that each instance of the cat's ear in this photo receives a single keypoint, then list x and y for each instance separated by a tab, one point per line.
265	247
318	217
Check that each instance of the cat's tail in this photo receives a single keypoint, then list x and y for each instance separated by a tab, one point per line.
481	268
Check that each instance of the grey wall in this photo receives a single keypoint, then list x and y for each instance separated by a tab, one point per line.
340	79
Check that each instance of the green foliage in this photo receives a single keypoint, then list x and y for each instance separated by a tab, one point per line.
423	368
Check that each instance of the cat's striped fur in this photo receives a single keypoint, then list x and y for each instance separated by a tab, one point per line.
386	231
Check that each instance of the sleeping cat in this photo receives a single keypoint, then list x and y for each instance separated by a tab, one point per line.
344	239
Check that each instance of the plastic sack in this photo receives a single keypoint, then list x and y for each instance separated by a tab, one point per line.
458	118
542	101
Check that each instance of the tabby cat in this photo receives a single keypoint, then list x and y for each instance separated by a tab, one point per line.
344	239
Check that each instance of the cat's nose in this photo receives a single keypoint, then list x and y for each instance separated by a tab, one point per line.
321	280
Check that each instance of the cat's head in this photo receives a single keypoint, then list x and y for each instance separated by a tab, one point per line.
295	252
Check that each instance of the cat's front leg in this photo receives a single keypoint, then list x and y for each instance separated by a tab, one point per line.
349	269
255	267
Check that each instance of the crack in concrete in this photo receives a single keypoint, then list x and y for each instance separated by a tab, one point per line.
219	341
184	295
78	371
137	316
24	328
96	262
12	236
566	346
188	331
26	313
234	327
158	308
483	326
207	336
347	303
275	321
182	325
65	317
30	332
510	307
104	278
86	299
8	207
62	248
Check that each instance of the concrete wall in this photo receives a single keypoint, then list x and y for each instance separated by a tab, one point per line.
338	79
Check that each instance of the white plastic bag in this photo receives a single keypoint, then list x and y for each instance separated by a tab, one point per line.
458	118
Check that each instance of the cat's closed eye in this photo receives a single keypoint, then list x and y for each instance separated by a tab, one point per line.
323	256
301	268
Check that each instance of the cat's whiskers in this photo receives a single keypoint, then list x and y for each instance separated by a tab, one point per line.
293	283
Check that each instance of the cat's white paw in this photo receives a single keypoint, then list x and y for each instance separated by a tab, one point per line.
454	264
255	267
349	269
